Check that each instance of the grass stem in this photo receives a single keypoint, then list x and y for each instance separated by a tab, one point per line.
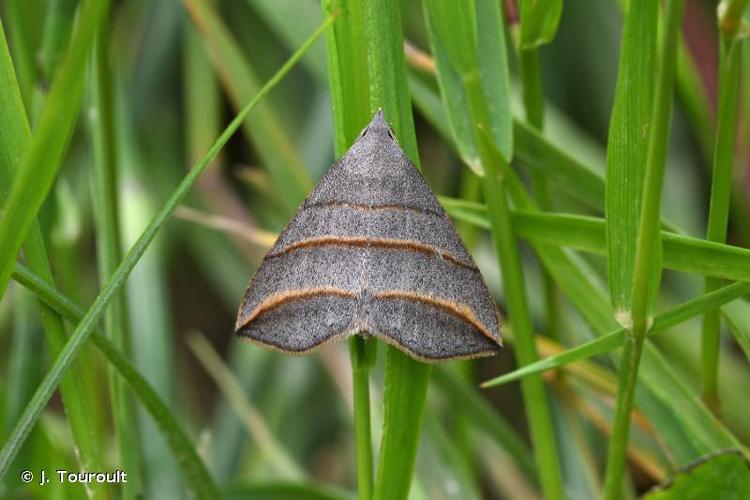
648	245
361	365
618	444
533	103
534	393
730	54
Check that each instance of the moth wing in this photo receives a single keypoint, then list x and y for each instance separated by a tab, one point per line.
372	250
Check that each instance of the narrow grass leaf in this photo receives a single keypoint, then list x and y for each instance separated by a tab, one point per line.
474	51
494	156
493	68
58	24
14	134
44	154
667	399
581	232
348	73
14	141
195	471
404	398
626	148
613	340
90	320
730	53
389	88
454	117
15	15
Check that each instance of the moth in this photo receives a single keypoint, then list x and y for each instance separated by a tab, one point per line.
371	252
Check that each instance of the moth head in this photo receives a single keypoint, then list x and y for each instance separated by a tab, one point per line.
378	125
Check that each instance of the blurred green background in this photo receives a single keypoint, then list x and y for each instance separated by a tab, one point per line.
273	426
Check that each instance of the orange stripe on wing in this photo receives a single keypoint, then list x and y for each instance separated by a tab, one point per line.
278	299
362	242
457	309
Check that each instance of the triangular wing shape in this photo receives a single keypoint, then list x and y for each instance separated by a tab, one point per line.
371	251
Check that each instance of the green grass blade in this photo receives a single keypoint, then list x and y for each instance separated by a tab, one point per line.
406	379
614	339
626	151
195	471
44	155
17	15
463	41
539	21
116	281
389	88
581	232
694	100
600	345
667	399
730	53
446	33
404	398
14	127
450	117
493	67
14	141
348	73
534	17
648	260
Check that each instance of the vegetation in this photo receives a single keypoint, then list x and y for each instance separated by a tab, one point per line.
594	156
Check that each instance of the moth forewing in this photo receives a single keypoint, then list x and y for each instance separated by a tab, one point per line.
371	251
